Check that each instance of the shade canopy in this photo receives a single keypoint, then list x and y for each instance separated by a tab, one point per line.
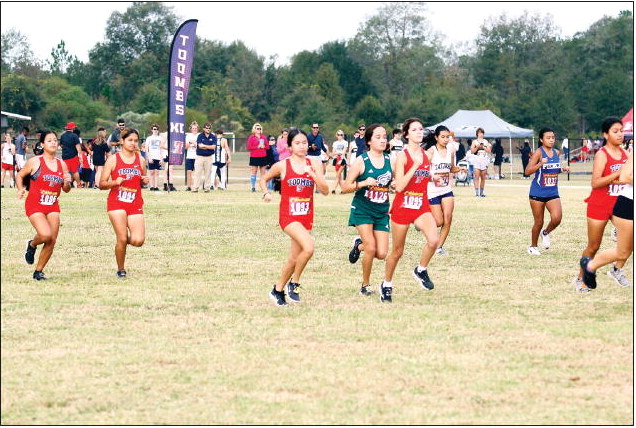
628	122
465	123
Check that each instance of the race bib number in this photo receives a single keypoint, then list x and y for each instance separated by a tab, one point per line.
443	180
377	195
413	201
126	195
615	189
47	199
549	180
299	206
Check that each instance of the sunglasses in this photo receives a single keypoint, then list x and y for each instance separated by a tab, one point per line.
206	127
155	129
340	135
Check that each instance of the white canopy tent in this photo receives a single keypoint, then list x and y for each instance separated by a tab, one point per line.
465	123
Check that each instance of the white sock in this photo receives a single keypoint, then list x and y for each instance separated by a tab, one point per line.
420	268
387	284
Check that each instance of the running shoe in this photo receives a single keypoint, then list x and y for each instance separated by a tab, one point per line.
278	297
385	293
441	252
545	239
38	275
423	279
29	255
172	188
292	291
533	251
618	275
165	187
365	290
121	274
354	254
589	278
580	287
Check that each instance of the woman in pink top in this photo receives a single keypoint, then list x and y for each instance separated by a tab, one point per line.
257	145
281	145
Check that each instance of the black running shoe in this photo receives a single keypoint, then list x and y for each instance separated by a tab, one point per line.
589	278
292	291
29	255
121	273
365	290
278	297
165	187
38	275
354	254
423	279
172	188
385	293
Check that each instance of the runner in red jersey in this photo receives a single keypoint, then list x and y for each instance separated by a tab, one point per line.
412	174
123	174
605	188
48	177
298	176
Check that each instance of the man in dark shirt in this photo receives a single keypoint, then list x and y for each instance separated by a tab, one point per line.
317	146
206	144
361	144
113	140
71	147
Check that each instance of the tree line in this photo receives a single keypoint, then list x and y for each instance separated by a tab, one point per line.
393	68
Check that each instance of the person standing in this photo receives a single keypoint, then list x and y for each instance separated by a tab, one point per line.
114	140
206	143
623	219
481	150
71	147
353	149
360	142
498	152
152	147
101	151
396	144
525	151
21	146
565	146
299	175
370	177
545	163
222	158
317	146
281	145
48	177
124	175
412	174
191	153
8	159
606	186
257	145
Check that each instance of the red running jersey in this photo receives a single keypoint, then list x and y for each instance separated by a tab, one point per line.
412	202
297	198
607	195
126	196
44	189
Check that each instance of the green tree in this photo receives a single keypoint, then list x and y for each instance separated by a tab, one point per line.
61	60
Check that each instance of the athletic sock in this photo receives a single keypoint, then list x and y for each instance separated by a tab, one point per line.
253	181
386	283
420	268
481	191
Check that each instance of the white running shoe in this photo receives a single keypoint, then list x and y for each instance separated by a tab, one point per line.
618	275
545	240
613	234
533	251
580	286
441	252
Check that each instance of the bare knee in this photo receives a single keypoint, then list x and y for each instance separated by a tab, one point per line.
433	242
136	241
397	252
47	238
380	255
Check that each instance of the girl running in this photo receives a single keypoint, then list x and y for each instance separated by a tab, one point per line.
298	176
370	176
440	192
412	174
623	219
606	186
48	176
124	174
544	189
339	150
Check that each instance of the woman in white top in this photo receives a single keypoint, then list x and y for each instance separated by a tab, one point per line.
339	154
191	152
481	150
440	192
623	219
152	147
8	156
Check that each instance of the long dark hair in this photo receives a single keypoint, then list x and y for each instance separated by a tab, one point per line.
607	124
292	133
368	133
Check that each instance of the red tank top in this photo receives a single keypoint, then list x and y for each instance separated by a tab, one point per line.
45	187
297	196
415	193
129	191
609	193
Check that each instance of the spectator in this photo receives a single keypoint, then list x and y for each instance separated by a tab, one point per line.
461	151
317	146
353	148
206	143
257	145
168	169
152	147
525	151
498	151
222	158
396	144
191	152
21	148
361	145
101	151
272	158
8	158
71	147
115	137
281	145
565	146
481	150
86	171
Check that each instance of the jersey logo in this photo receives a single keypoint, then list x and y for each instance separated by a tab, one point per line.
384	179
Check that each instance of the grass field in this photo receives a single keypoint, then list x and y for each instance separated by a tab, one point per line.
190	337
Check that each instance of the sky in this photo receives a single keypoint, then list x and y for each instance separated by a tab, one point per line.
266	28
